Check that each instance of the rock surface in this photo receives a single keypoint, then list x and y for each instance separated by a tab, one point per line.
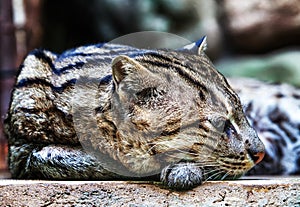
260	25
249	192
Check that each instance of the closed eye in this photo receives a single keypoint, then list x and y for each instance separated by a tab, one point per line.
219	124
229	129
223	125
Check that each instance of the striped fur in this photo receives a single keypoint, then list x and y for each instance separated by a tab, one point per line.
135	112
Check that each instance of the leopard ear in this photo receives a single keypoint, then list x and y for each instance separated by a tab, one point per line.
196	47
126	67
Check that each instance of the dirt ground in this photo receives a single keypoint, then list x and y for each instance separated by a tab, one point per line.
249	192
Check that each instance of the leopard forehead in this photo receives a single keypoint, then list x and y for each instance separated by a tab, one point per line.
185	79
161	92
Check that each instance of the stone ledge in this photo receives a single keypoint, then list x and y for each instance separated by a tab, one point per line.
246	192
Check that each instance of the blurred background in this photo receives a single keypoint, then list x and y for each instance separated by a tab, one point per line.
253	38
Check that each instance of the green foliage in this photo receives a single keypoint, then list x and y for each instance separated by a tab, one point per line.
279	67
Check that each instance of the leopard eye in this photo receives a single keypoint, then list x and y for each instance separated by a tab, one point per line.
219	124
229	128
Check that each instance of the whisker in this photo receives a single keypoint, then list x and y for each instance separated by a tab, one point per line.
151	148
207	163
224	176
212	176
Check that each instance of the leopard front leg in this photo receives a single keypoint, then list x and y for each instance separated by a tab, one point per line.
182	176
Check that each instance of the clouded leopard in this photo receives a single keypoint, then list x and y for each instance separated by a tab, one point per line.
111	111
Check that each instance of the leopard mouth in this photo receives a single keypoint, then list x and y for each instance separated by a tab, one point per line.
222	174
228	169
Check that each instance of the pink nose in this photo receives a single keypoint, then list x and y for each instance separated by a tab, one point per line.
258	157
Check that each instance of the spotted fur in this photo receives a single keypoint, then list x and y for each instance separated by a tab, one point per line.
273	110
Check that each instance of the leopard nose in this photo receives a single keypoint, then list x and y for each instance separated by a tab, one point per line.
257	157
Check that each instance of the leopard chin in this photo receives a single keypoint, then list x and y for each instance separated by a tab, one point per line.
230	168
